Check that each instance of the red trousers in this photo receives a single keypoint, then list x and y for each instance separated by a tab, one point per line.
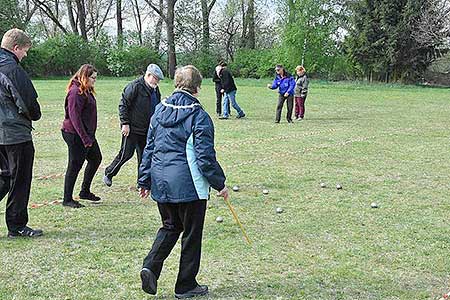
299	107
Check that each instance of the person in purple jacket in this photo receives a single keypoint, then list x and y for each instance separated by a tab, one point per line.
78	131
285	84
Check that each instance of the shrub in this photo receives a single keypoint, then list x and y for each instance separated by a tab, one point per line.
131	61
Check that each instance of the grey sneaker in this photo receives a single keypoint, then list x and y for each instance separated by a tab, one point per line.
199	290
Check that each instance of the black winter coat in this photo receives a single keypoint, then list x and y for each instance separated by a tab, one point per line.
227	81
18	101
138	105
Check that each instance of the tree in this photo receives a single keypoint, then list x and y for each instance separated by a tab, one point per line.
433	28
248	36
137	19
206	11
385	38
168	16
119	23
15	13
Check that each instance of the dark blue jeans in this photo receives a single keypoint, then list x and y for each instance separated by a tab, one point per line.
231	96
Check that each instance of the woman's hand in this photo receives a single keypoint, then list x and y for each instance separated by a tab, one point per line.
224	193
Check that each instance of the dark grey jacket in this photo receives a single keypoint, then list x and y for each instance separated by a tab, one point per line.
301	86
137	105
18	101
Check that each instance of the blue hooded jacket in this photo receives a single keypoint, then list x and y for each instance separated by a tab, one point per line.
284	85
179	161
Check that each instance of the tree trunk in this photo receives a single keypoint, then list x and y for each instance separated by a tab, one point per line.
73	24
82	18
244	25
206	12
56	4
251	37
119	23
158	28
138	20
205	26
170	24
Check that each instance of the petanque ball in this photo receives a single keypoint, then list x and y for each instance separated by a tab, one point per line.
279	210
265	192
236	188
323	185
374	205
339	187
219	219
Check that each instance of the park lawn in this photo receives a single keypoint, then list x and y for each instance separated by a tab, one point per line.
383	144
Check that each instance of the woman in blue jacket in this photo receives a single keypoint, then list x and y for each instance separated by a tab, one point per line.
285	84
179	166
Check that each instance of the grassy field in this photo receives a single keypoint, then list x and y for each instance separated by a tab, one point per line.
383	144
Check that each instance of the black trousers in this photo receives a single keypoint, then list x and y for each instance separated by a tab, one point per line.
77	155
176	218
129	144
290	105
219	97
16	164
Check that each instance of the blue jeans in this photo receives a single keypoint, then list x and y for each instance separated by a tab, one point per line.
231	96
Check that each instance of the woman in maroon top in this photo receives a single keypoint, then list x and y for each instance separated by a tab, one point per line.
78	131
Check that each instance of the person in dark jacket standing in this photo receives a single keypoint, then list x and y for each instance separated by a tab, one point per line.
285	84
78	131
179	166
139	99
229	90
301	91
18	108
218	87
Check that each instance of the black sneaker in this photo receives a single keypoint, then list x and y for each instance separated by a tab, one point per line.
89	196
199	290
107	180
149	281
240	116
223	118
25	232
73	204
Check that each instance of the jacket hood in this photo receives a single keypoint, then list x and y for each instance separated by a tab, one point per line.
7	57
176	108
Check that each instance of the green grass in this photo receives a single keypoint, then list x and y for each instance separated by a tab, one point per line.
384	144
